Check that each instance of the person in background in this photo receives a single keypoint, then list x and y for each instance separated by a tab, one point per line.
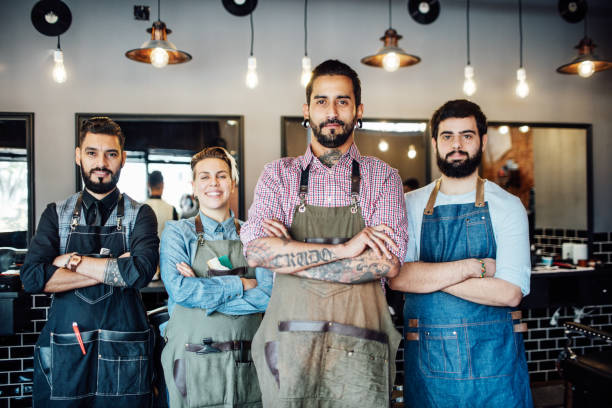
331	224
467	269
93	252
163	211
410	184
189	206
215	300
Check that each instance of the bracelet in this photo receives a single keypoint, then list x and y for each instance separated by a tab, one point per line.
483	268
68	262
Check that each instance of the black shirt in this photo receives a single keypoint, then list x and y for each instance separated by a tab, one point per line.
136	270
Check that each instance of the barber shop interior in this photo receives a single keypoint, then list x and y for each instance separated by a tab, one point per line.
306	203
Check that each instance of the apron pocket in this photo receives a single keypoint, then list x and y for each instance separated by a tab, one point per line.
247	385
124	365
440	352
477	236
94	294
492	339
209	378
322	288
356	371
71	370
300	356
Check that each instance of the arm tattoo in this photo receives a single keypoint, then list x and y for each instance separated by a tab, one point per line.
330	158
112	276
264	256
360	269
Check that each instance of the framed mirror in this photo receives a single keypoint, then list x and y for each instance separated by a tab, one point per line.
166	143
402	143
16	179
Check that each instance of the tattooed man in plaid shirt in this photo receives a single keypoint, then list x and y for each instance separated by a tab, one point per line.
331	224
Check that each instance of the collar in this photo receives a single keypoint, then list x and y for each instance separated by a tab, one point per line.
108	202
351	154
212	225
155	196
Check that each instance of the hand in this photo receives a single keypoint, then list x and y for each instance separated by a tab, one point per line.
376	238
248	283
275	229
472	268
185	270
60	261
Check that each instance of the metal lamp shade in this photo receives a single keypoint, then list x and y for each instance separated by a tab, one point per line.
390	40
585	53
158	39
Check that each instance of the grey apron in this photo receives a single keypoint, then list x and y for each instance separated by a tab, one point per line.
324	344
206	359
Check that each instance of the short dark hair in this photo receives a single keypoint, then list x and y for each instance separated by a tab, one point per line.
101	125
335	67
458	108
156	179
412	183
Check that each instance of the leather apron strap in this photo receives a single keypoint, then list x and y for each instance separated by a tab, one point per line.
479	202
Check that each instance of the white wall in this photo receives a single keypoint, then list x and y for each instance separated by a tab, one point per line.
101	79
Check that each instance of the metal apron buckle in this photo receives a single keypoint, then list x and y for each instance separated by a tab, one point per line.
354	203
207	347
302	207
119	221
74	223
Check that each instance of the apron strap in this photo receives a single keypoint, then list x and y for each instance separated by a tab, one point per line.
76	212
355	186
120	212
200	228
480	202
303	188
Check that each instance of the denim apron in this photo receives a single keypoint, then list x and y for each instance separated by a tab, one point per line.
326	344
459	353
206	359
116	369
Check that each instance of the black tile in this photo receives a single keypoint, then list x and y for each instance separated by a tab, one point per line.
531	345
22	352
42	301
10	365
547	365
36	314
4	378
532	366
10	340
538	231
581	342
537	355
547	344
29	339
602	257
28	363
542	312
548	231
23	402
4	403
27	389
606	309
38	326
10	390
582	234
570	233
4	352
21	377
555	333
600	237
544	241
606	247
537	334
27	326
558	232
537	377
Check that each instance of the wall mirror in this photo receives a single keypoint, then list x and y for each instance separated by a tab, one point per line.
166	143
16	179
403	144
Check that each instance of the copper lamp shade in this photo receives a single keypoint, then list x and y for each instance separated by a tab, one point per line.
158	39
390	40
585	53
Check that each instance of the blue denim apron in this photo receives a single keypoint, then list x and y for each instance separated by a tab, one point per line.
459	353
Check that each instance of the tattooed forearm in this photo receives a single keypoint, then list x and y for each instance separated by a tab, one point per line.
303	258
112	276
331	157
287	256
363	268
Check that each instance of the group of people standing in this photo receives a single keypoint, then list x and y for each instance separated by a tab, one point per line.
288	309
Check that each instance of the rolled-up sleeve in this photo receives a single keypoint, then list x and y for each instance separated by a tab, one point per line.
253	300
203	293
44	248
138	269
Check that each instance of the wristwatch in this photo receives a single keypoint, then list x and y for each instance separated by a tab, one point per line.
73	262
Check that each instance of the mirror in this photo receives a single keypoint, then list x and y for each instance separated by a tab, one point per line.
166	143
16	179
403	144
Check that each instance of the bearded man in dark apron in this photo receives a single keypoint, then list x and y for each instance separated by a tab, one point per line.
330	223
93	252
467	268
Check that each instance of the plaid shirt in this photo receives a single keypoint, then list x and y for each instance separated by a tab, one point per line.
380	196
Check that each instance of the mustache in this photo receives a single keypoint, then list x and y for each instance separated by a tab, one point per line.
104	169
332	121
457	151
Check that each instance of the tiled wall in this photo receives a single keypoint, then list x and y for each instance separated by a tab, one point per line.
549	240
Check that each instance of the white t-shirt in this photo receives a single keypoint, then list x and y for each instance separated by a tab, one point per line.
510	228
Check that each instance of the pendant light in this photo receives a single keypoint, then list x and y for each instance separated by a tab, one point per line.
586	63
59	71
306	62
469	85
158	51
390	56
522	88
251	79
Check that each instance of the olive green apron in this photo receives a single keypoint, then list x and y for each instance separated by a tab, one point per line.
324	344
207	360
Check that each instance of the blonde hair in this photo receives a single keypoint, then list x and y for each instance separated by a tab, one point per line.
216	152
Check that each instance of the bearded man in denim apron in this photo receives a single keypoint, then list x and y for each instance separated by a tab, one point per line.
330	223
466	270
93	252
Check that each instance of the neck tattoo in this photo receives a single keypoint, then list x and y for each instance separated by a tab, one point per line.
330	157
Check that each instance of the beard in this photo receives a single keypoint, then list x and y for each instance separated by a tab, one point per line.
97	186
335	138
459	168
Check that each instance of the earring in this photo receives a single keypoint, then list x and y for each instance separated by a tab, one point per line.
306	123
359	124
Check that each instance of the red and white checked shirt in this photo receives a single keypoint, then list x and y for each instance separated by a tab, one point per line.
380	197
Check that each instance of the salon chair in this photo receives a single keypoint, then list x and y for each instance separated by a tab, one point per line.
588	377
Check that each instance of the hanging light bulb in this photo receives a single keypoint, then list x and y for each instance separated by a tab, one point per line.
586	68
411	152
306	71
524	129
522	89
503	129
383	146
159	57
59	71
391	62
469	86
587	62
251	76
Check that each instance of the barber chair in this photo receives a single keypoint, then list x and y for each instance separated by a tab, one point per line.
588	377
156	318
